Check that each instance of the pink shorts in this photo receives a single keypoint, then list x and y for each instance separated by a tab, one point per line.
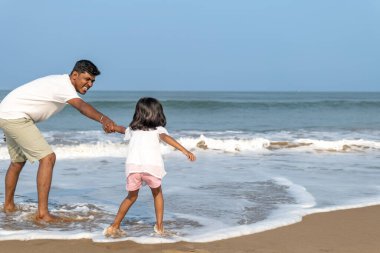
136	180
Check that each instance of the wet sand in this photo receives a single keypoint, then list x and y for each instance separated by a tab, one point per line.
347	231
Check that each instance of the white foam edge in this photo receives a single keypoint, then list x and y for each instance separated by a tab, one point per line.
277	220
304	198
25	235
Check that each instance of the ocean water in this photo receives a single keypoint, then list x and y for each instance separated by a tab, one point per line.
264	160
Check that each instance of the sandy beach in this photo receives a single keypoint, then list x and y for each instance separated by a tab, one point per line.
346	231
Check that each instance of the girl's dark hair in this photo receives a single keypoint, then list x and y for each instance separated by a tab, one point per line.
149	114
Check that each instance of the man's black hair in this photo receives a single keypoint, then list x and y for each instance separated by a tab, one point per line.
84	66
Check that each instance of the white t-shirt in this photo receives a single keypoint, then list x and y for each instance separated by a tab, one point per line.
144	154
38	99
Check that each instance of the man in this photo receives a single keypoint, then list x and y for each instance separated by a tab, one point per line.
34	102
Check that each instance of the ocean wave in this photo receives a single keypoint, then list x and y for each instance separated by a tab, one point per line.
215	104
213	144
212	104
261	144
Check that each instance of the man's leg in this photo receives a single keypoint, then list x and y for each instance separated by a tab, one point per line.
11	179
44	178
25	142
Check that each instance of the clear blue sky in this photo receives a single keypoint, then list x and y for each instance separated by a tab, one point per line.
243	45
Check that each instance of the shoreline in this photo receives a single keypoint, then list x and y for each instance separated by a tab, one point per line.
349	231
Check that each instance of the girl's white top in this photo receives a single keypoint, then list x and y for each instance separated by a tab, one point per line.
144	154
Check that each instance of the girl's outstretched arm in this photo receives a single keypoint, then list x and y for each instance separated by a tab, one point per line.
172	142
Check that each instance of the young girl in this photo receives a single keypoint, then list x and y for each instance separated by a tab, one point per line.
144	161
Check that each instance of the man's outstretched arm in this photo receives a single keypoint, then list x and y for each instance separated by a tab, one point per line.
90	112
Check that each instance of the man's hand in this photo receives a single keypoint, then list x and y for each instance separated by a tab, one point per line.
108	126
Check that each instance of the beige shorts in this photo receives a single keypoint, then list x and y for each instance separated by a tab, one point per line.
24	140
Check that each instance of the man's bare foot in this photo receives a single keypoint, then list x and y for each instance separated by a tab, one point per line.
114	232
48	218
10	208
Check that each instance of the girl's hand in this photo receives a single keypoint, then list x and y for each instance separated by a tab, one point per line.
119	129
190	156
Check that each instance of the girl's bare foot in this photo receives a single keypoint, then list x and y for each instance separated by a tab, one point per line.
160	232
114	232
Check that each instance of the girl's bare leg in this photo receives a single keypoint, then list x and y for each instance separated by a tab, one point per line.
159	208
114	229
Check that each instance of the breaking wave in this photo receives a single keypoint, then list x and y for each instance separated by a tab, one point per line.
202	143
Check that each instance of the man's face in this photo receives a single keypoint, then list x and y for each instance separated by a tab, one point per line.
82	81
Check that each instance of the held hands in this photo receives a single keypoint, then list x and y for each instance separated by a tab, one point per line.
108	125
